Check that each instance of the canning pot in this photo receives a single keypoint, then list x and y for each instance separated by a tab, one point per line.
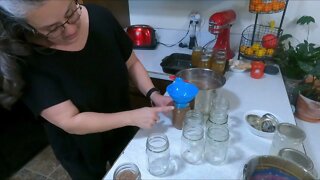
207	81
274	167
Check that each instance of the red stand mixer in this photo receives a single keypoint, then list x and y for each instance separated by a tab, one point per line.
220	24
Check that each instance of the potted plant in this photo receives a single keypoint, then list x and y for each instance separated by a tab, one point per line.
301	63
295	61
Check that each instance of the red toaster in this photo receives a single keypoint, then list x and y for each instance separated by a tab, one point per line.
142	36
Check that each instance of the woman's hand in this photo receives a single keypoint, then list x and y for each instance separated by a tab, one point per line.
147	117
160	100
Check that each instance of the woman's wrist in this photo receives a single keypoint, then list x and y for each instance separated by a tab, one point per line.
151	91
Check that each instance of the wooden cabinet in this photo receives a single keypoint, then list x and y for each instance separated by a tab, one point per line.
138	100
119	8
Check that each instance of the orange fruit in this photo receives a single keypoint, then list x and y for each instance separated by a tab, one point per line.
259	7
249	51
267	8
270	52
243	48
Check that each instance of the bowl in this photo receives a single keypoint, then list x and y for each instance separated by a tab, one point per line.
265	126
274	167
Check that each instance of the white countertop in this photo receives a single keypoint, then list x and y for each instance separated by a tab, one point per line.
244	94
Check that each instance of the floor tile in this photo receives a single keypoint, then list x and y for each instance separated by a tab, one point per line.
44	163
25	174
60	174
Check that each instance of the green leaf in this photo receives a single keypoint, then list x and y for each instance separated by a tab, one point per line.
285	37
305	20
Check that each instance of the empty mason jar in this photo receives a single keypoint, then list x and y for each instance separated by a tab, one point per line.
218	118
194	117
216	146
127	171
192	143
158	153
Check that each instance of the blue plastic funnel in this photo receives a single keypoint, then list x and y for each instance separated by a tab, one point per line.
182	92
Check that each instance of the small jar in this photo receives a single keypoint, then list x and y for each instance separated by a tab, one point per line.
127	171
192	143
158	153
196	56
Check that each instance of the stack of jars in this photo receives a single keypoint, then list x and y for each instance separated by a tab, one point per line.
208	141
208	59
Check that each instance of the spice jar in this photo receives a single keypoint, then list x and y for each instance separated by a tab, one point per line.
196	56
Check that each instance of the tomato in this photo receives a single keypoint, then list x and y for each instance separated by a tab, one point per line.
269	41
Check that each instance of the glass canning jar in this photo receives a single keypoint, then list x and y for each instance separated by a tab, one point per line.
158	153
192	143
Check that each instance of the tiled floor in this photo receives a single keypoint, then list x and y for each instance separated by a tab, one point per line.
44	166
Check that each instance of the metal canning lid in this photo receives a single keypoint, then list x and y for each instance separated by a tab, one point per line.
291	131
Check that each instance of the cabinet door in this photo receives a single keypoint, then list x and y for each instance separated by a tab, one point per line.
138	100
119	8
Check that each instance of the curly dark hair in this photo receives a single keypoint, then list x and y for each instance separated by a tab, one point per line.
12	47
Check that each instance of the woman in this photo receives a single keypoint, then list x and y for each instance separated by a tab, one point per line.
75	61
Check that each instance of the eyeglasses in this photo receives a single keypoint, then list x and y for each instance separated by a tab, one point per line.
72	19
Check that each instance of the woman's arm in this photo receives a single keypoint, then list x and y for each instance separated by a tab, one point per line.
142	80
66	116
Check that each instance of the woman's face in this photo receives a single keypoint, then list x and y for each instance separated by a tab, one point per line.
58	20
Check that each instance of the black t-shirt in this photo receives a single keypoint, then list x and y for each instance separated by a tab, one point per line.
94	79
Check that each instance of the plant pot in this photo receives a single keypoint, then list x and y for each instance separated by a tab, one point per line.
307	109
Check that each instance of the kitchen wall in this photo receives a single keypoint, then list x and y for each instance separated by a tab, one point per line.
173	14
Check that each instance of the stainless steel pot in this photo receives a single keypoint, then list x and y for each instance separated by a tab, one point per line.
266	166
207	81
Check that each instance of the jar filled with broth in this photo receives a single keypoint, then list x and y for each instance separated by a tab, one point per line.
196	56
219	61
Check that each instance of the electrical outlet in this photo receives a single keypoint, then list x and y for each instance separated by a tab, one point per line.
195	17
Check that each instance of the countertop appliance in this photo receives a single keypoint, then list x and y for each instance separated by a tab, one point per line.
142	36
220	24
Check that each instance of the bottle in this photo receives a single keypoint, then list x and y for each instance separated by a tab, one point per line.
196	56
219	61
158	153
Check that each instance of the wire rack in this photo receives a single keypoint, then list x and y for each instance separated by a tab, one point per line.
252	36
